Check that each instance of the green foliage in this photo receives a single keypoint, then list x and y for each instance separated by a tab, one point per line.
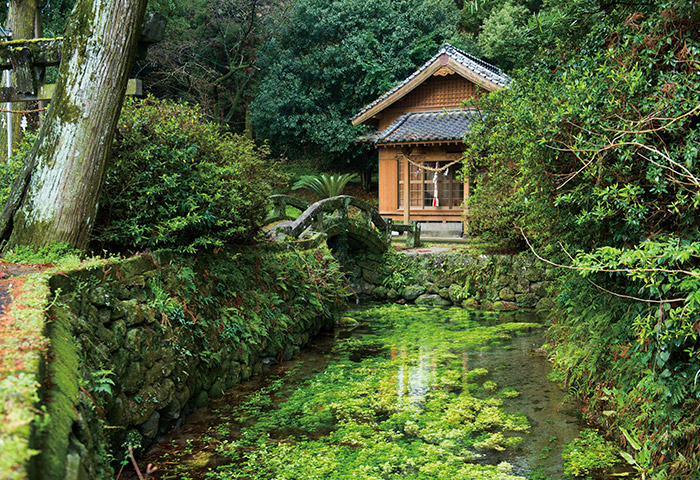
52	253
10	170
325	185
63	394
177	181
582	161
588	454
504	36
594	147
327	60
511	34
208	56
101	381
401	272
255	301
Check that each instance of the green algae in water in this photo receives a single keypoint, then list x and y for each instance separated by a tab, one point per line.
403	401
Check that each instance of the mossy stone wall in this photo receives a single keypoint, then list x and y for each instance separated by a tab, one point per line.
493	281
152	338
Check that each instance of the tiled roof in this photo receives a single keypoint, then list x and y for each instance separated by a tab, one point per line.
424	127
476	65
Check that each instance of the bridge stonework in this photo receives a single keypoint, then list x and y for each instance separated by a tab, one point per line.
361	229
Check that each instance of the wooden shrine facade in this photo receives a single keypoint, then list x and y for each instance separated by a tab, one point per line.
420	125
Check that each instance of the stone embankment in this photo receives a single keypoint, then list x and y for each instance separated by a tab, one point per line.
135	345
453	278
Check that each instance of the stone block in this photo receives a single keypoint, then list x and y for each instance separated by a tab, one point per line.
507	294
432	299
217	389
104	315
201	399
149	428
411	292
521	285
455	293
380	292
373	276
527	300
172	411
99	296
119	414
470	303
134	379
534	274
135	266
119	332
143	405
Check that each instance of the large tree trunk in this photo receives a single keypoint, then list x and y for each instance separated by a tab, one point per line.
55	199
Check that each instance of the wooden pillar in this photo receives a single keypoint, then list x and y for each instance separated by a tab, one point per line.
406	190
466	205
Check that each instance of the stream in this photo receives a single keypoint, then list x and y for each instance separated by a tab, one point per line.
401	391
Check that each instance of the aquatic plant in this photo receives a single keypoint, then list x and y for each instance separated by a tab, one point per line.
396	403
587	454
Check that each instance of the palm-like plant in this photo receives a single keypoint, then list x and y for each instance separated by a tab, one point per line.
325	185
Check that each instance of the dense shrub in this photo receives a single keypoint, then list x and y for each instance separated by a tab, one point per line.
593	152
177	181
323	61
10	170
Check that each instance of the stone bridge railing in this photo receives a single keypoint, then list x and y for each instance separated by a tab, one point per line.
326	215
279	207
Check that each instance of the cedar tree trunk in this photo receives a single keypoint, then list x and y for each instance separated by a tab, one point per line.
55	198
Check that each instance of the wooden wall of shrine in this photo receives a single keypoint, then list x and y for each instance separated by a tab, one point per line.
444	90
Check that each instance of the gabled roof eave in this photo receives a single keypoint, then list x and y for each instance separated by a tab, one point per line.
400	93
471	70
472	76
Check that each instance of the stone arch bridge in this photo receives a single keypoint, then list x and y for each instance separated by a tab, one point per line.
345	220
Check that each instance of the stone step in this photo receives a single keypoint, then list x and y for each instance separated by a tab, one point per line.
441	230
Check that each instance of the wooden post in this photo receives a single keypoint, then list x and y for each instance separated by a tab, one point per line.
406	190
466	206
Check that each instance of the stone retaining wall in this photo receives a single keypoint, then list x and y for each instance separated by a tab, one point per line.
493	281
151	350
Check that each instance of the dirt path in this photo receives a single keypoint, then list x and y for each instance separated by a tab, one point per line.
13	339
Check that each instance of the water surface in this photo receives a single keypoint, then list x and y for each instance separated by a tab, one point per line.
412	392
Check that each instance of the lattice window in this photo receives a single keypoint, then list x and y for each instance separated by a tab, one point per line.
422	190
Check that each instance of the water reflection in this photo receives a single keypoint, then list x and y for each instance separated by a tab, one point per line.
414	380
554	420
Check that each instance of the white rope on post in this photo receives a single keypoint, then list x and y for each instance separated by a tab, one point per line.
436	199
425	167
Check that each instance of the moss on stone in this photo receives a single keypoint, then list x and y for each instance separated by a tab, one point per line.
63	378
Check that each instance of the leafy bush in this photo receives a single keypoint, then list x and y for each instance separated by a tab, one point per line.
323	61
50	253
588	453
10	170
177	181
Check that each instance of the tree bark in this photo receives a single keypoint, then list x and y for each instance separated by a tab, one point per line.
55	198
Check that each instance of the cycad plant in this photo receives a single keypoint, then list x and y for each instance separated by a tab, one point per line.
325	185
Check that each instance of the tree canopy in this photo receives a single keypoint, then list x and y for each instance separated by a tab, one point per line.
325	60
